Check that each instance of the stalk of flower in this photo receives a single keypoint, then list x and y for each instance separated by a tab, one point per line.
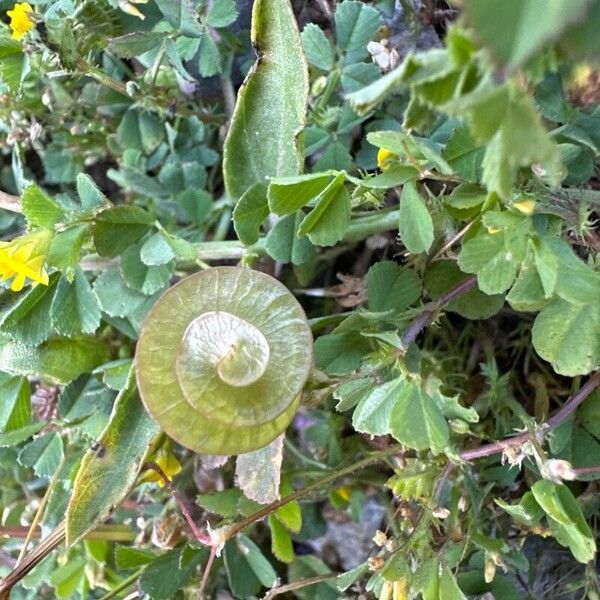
23	258
21	19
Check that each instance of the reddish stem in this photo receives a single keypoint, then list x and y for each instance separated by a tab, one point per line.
182	503
553	422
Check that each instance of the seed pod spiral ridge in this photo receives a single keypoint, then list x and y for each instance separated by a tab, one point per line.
222	359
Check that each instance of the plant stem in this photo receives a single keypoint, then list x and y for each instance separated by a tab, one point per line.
565	411
124	584
182	503
324	481
40	511
410	335
363	227
296	585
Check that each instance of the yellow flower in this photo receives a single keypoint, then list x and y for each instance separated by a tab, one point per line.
383	156
21	20
525	207
167	461
23	258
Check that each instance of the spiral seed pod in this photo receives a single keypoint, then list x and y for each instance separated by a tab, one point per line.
222	359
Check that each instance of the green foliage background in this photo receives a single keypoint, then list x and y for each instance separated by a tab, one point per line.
433	206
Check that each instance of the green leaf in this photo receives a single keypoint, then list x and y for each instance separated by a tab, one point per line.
182	16
27	319
241	577
258	563
224	503
143	278
44	454
416	225
568	336
350	393
464	155
345	580
356	24
565	519
417	422
449	589
527	511
281	541
221	13
89	194
340	353
373	413
261	120
443	275
75	308
65	247
17	436
283	243
39	209
495	258
250	212
520	141
58	359
210	57
335	156
327	223
15	408
108	471
391	287
118	228
166	575
306	567
134	44
357	76
288	194
527	27
317	47
14	64
116	298
128	557
156	251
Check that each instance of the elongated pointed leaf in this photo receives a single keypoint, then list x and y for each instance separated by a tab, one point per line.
108	471
271	106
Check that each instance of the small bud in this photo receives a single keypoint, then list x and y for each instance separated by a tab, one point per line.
375	563
380	538
463	504
493	230
558	470
319	85
440	512
489	571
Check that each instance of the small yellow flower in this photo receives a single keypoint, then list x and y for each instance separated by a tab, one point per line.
23	258
21	19
344	493
167	461
525	207
383	156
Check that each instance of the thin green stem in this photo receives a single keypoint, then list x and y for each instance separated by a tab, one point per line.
124	584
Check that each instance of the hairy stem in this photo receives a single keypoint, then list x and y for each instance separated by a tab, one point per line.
554	421
428	315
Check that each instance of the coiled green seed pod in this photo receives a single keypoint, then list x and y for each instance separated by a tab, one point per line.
222	359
